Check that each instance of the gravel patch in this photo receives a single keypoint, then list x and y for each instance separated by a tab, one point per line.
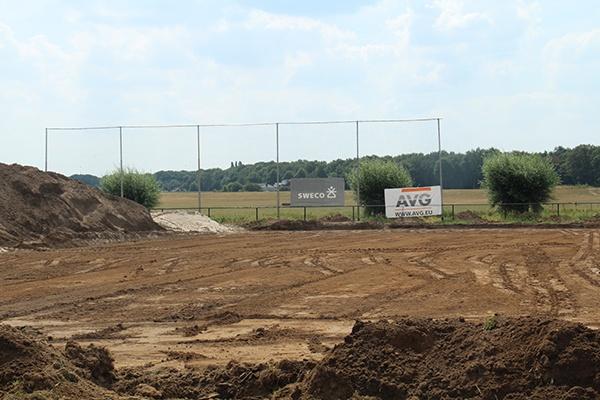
189	221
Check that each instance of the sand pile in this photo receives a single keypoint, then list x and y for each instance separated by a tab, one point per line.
49	208
504	359
188	221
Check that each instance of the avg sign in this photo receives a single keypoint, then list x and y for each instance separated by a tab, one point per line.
413	202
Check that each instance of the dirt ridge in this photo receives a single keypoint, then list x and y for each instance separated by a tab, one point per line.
46	208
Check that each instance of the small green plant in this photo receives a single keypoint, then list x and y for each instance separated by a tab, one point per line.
491	323
374	177
140	187
519	182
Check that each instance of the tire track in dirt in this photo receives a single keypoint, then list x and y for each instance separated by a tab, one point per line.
426	262
585	263
273	295
551	293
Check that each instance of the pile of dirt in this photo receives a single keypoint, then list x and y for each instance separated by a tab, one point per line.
189	221
45	208
504	359
29	365
335	218
233	381
469	216
520	358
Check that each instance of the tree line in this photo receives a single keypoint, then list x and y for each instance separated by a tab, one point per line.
576	166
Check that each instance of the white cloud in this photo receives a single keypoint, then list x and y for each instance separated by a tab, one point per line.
294	62
575	54
452	15
530	13
258	19
401	26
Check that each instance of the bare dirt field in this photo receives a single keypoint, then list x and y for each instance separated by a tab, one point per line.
252	297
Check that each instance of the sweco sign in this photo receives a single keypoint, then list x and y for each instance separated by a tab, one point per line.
413	202
306	192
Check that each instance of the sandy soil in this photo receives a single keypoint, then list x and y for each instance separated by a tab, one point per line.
189	221
208	299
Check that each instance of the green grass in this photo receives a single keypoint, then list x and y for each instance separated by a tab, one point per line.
471	200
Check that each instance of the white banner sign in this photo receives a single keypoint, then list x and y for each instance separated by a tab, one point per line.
413	202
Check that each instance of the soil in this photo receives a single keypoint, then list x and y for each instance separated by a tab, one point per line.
520	358
512	359
469	216
335	218
312	225
200	315
43	209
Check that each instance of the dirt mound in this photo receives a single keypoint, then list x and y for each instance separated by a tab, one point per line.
513	359
469	216
28	364
335	218
96	362
234	381
504	359
45	208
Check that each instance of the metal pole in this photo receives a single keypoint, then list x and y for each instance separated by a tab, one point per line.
277	148
46	153
357	174
199	181
121	156
440	157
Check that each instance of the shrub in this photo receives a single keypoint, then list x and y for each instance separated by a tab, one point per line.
374	177
143	188
233	187
252	187
519	182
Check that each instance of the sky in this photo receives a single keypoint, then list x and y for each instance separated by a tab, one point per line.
512	74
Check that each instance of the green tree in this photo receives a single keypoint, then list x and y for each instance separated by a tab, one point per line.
583	164
374	177
140	187
288	175
519	182
301	173
320	171
233	187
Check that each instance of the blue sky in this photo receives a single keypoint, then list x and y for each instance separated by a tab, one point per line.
514	74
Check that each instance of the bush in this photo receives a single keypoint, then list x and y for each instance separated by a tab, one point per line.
519	182
233	187
140	187
374	177
252	187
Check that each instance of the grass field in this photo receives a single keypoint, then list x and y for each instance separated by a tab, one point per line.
463	200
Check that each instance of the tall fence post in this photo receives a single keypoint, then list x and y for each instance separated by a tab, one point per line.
256	214
46	153
277	149
121	156
440	158
357	174
198	177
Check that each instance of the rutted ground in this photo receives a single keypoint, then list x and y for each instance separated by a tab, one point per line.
262	296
